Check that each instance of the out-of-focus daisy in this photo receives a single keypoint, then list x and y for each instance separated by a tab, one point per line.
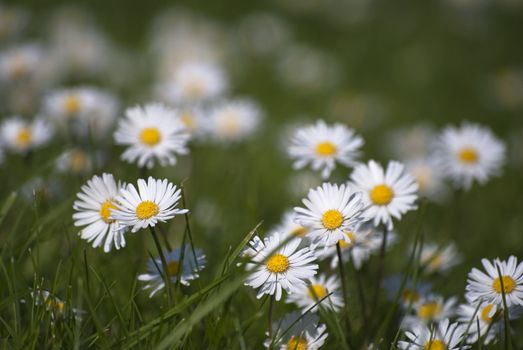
94	209
274	268
429	178
489	317
469	153
444	336
322	146
288	226
75	161
194	82
151	132
57	308
234	120
436	258
195	120
387	193
307	296
411	293
19	135
100	112
297	331
190	268
331	210
20	63
65	105
410	142
489	286
363	242
153	201
430	309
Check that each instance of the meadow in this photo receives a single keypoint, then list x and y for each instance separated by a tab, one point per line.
247	110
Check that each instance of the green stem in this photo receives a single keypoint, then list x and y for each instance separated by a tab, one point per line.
343	288
165	267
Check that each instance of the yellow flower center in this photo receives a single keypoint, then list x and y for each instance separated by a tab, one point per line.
325	149
278	263
429	310
78	161
332	219
485	313
381	195
150	136
345	244
146	210
172	268
297	343
435	344
105	211
72	104
410	296
229	125
508	284
24	137
435	261
194	88
299	231
468	155
317	291
188	120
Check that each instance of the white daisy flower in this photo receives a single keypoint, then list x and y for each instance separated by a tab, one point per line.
66	105
307	296
20	63
411	142
411	293
100	112
195	82
297	331
489	286
151	132
153	201
331	210
429	178
20	136
387	193
276	266
444	336
362	243
322	146
489	317
75	161
289	228
436	258
469	153
430	309
195	119
234	120
189	270
94	209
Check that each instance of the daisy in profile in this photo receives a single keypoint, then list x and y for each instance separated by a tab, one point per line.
362	243
20	136
330	211
444	336
288	226
489	318
322	146
188	269
152	132
387	193
234	120
194	82
297	331
278	265
430	309
469	153
152	201
436	258
318	288
489	286
94	210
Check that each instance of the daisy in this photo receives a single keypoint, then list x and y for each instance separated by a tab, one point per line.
94	209
234	120
489	287
297	331
318	288
387	193
288	226
195	82
488	316
195	120
153	201
20	63
100	111
75	161
444	336
330	211
20	136
412	292
277	265
189	270
322	146
65	105
469	153
435	258
430	309
151	132
363	242
429	178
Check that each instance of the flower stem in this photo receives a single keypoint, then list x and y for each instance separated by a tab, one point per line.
165	268
343	287
271	304
379	274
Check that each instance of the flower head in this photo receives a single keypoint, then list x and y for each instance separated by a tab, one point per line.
320	289
21	136
444	336
297	331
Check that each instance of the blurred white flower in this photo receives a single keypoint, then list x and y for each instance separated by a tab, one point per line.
21	63
76	161
307	296
297	331
429	178
445	336
439	258
429	310
234	120
20	136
